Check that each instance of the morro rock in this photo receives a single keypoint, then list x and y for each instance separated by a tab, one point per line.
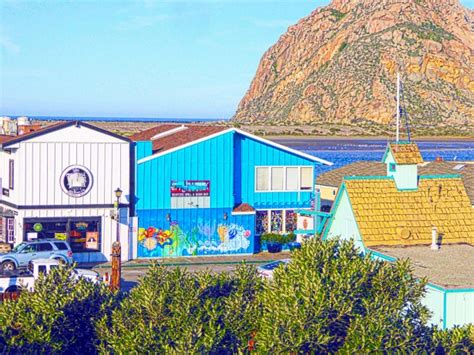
339	65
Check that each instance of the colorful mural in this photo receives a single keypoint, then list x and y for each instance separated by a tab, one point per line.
203	239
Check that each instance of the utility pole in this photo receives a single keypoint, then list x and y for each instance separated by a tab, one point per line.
398	107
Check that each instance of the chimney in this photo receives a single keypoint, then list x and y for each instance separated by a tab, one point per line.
434	239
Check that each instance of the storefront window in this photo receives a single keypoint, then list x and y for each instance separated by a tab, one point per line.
277	221
83	234
262	222
290	221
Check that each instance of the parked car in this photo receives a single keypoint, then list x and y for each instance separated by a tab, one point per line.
267	269
18	280
25	252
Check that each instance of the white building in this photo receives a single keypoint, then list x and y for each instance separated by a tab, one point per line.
60	181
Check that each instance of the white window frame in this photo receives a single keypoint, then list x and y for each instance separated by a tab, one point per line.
284	178
269	218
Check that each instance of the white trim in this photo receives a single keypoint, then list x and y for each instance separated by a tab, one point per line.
169	132
242	213
263	140
311	189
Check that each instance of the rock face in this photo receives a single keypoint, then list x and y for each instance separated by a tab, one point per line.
339	64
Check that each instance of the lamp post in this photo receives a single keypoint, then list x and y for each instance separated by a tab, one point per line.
118	194
116	248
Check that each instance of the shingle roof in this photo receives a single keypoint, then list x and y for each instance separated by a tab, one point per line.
406	153
361	168
190	134
54	127
243	207
388	216
334	177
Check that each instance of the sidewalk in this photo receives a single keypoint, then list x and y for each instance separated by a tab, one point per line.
261	258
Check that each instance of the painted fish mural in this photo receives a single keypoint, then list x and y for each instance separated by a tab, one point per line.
203	239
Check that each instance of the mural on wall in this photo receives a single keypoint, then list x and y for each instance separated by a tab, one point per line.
206	238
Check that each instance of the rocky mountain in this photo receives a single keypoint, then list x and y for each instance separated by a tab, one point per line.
339	64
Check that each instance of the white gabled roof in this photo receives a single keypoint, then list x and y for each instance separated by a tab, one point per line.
262	140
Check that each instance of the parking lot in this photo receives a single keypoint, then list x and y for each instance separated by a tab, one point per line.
133	270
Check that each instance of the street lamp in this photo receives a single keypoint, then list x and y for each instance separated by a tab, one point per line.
118	194
116	248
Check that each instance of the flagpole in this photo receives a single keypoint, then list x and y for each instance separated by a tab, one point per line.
398	107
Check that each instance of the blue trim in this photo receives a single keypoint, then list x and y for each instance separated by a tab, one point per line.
369	177
445	310
441	176
380	255
303	231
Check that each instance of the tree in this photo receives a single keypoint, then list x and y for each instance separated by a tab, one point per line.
59	316
176	311
330	298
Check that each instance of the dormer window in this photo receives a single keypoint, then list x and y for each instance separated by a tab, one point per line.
392	167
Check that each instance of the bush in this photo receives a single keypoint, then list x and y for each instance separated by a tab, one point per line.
179	312
58	317
278	238
329	298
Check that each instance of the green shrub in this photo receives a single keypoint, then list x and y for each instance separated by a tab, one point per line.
329	298
458	340
58	317
278	238
174	311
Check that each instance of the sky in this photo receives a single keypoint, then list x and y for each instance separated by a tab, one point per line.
157	59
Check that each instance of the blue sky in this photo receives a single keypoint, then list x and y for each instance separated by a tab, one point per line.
169	59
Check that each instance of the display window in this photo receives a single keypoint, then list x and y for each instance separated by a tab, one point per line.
82	234
275	221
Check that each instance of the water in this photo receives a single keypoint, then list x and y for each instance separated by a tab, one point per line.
343	152
121	119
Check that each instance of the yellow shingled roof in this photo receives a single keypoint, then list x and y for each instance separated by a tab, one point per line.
406	153
387	216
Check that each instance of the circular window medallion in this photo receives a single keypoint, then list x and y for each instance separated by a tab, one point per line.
76	181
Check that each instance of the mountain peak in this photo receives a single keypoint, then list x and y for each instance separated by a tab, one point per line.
339	65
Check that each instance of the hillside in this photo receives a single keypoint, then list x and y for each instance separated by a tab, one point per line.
339	64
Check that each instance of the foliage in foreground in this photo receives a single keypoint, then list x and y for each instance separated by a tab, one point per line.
175	311
59	317
328	299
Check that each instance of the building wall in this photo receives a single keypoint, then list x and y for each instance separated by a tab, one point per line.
249	154
433	300
43	159
190	232
459	307
405	176
328	193
209	160
342	224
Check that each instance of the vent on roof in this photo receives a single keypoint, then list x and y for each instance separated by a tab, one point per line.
459	167
169	132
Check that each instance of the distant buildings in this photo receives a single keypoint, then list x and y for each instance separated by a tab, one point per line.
427	218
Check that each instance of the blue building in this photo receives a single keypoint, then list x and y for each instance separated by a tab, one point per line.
208	190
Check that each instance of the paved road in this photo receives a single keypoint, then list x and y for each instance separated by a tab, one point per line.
130	275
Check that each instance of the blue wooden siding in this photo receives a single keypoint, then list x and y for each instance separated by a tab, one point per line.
209	160
250	153
186	232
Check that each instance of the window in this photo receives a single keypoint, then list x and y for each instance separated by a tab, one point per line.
44	247
277	179
306	178
275	221
392	167
262	179
11	174
292	178
61	246
42	269
283	178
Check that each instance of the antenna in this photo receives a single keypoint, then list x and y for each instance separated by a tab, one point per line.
398	107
